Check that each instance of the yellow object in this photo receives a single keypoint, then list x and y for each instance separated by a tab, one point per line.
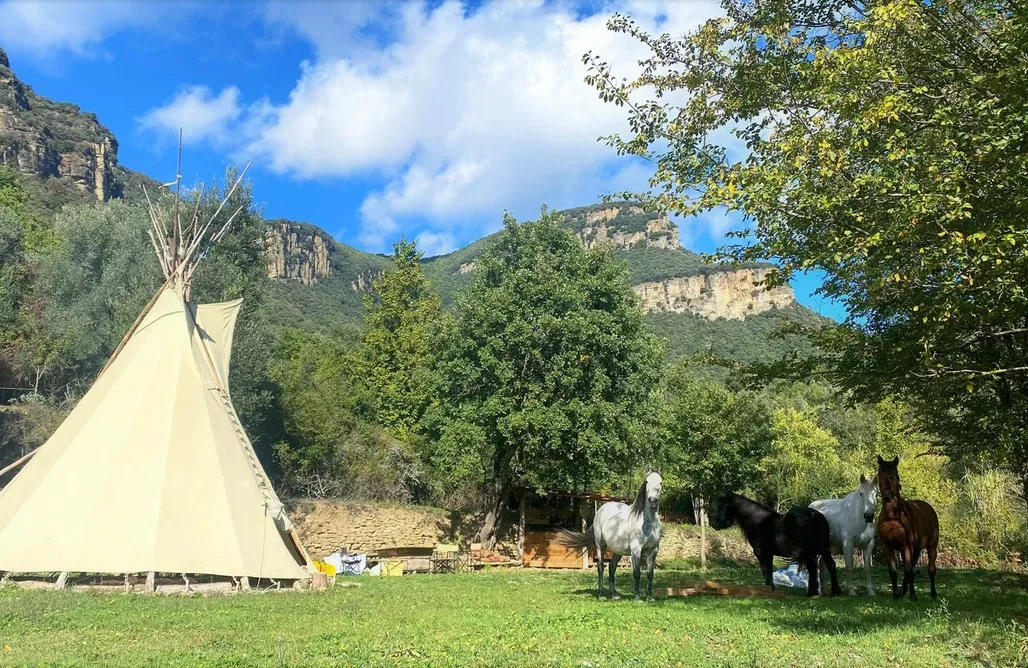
152	470
392	567
327	569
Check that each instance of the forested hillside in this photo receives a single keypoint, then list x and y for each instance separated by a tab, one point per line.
645	241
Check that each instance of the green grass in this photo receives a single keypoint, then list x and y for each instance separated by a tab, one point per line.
522	618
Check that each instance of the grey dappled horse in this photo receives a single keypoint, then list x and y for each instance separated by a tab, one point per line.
633	530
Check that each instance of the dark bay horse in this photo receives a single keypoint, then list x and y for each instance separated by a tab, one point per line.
905	528
802	534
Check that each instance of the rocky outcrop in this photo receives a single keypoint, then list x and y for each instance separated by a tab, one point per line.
731	294
365	279
466	268
298	252
602	225
54	140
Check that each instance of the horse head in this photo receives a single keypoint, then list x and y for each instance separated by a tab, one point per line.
653	483
888	479
722	513
868	497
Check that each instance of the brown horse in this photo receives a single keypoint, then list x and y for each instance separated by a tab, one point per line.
905	528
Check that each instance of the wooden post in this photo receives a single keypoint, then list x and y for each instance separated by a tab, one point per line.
585	552
703	536
151	582
62	580
521	528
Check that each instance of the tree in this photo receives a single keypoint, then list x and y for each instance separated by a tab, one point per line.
12	195
90	286
393	359
717	438
885	146
326	450
803	463
545	369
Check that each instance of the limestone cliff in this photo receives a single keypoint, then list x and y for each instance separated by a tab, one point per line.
53	139
732	294
364	280
625	225
298	252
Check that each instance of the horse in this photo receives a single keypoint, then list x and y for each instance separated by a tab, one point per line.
802	535
634	530
905	528
852	523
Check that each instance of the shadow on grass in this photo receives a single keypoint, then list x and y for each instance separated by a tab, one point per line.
982	606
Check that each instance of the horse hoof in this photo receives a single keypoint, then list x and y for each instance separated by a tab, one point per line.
638	600
649	599
615	597
870	592
853	592
934	595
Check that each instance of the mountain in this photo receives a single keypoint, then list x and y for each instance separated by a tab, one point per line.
66	155
317	282
73	157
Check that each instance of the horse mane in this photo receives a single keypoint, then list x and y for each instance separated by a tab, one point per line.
639	505
750	510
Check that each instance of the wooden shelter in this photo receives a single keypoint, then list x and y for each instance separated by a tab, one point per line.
541	516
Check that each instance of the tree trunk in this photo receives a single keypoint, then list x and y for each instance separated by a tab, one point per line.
1024	487
703	536
493	521
521	528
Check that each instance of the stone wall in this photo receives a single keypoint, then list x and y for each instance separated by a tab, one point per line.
718	294
326	526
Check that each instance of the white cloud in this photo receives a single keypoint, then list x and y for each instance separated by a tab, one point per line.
463	112
44	28
201	115
432	243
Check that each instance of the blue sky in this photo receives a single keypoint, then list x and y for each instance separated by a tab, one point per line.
370	120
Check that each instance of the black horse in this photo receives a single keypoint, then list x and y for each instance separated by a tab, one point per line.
802	534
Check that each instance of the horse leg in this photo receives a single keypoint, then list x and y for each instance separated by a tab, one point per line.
890	559
600	548
826	555
866	554
611	567
651	562
637	571
814	584
909	560
847	552
766	566
933	552
822	575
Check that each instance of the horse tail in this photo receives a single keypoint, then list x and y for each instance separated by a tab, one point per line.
579	540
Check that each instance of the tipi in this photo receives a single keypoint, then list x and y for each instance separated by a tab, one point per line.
152	471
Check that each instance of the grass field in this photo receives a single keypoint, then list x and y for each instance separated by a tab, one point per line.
522	618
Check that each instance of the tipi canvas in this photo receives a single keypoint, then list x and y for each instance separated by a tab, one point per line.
152	471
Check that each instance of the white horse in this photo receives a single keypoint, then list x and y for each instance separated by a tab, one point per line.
852	522
633	530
